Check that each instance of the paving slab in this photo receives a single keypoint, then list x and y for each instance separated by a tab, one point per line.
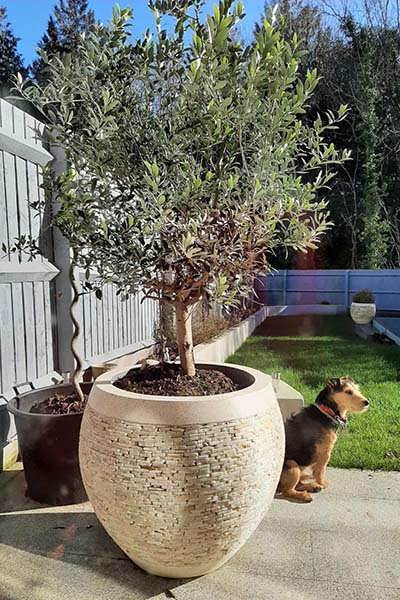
60	533
240	587
353	483
277	549
354	555
345	544
29	576
329	512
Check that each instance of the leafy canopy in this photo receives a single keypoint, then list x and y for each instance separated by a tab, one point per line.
191	161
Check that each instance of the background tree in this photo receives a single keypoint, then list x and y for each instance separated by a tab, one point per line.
10	60
71	18
324	51
367	100
372	87
355	44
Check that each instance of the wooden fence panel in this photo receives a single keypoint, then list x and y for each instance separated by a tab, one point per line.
331	286
7	356
113	327
35	328
11	202
25	317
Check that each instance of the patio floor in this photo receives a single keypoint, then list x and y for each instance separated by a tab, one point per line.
346	544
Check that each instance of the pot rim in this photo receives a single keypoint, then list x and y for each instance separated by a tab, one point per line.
106	381
364	303
13	409
113	402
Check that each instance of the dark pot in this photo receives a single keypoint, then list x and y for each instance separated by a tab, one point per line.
49	448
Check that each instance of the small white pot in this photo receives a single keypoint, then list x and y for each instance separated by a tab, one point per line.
180	483
362	314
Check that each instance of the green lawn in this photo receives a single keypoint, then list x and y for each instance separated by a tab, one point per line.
307	351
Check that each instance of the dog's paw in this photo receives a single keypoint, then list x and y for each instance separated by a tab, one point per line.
323	485
315	488
305	497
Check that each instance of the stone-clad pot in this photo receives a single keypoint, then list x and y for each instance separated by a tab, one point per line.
180	483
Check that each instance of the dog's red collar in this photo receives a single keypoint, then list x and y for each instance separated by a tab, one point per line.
337	419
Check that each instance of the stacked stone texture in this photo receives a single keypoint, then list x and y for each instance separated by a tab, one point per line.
184	496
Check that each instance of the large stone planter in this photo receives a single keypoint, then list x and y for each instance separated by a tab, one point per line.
362	314
181	483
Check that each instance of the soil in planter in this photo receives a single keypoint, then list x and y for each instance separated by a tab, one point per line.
172	381
60	405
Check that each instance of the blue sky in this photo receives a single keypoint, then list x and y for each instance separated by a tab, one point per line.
29	18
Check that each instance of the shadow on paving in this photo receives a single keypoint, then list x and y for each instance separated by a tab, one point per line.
76	539
12	493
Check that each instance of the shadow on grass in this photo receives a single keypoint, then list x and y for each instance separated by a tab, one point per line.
306	325
335	359
314	359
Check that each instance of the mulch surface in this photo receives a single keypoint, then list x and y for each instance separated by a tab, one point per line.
60	405
172	381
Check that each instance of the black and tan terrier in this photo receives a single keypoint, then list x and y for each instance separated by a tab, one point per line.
311	435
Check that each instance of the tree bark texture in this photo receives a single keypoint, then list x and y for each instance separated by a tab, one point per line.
185	337
76	332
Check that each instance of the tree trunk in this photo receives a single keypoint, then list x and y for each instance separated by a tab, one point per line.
78	361
185	337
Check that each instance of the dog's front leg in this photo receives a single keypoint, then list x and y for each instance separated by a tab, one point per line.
320	474
323	454
307	482
307	475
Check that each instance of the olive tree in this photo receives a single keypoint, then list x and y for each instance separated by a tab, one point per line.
190	162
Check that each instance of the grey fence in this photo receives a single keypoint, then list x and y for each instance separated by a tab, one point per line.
335	286
35	328
112	327
26	352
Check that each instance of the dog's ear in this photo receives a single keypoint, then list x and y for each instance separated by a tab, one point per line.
324	394
347	379
331	385
334	384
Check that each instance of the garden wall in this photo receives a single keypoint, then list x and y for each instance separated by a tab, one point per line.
335	286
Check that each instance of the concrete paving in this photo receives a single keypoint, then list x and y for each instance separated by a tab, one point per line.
344	545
